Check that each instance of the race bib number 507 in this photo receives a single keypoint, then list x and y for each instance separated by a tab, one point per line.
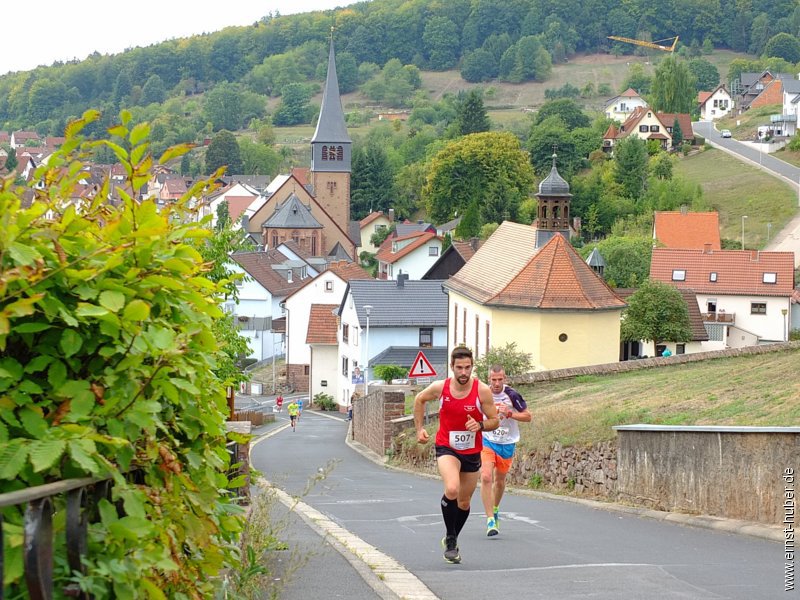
462	440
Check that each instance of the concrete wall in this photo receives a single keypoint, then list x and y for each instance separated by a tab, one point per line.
732	472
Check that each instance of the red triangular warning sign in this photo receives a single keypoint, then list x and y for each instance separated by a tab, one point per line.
422	367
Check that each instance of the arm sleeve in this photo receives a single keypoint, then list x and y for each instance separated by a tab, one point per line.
516	399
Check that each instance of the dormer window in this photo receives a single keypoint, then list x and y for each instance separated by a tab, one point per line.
678	275
770	278
712	276
289	276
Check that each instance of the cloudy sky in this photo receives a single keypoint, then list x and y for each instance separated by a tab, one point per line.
39	33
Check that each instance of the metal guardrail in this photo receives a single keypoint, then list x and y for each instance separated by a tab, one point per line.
82	496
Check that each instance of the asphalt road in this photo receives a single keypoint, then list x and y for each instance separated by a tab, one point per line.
788	239
547	548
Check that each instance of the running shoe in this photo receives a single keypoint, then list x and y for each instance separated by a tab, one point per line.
497	515
450	545
491	527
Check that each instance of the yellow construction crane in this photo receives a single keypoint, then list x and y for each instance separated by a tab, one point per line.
654	45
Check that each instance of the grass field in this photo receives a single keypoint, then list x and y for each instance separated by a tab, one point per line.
734	189
748	390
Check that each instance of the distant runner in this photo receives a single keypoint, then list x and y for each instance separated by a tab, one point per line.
294	411
279	402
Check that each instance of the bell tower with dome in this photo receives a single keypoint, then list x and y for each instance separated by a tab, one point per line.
553	213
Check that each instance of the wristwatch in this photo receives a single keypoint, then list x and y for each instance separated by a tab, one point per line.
480	424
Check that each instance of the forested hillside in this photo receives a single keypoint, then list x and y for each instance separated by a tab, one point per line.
515	40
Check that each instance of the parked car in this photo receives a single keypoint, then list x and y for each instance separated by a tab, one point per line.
726	133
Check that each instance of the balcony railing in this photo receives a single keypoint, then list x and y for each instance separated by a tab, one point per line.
41	503
719	317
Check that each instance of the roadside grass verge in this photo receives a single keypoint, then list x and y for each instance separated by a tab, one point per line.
734	188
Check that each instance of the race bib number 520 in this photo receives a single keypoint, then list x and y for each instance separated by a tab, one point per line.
462	440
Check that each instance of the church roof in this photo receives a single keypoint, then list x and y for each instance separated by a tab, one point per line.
331	125
554	184
292	214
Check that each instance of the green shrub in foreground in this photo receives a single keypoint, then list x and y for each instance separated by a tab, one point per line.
107	366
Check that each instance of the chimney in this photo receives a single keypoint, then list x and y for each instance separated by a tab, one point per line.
391	215
473	242
707	248
420	221
401	279
245	222
684	209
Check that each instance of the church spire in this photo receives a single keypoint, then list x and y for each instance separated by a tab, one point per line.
331	127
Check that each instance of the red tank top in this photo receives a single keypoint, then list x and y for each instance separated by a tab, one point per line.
453	413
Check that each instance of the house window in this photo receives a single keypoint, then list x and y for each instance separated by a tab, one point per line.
758	308
345	332
328	286
313	245
654	128
296	237
680	348
487	336
303	272
305	370
712	277
464	332
455	325
643	128
345	370
562	337
289	276
678	275
426	337
770	278
433	251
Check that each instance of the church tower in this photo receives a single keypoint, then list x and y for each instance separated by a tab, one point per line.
553	212
331	152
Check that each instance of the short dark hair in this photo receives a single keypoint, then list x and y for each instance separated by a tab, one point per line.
460	352
497	368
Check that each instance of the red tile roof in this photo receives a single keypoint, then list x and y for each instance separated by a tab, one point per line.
237	205
738	272
630	93
703	96
466	249
259	266
348	270
386	255
675	229
370	218
301	174
322	325
508	270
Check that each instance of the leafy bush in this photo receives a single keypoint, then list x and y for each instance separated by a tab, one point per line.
388	372
325	401
107	356
515	362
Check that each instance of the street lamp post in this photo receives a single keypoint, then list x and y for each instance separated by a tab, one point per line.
769	227
744	217
367	309
784	312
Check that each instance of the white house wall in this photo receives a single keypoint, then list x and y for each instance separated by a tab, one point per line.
713	113
323	375
298	308
769	327
418	262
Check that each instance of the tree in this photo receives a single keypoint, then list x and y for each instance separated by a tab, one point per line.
387	373
294	108
479	66
677	133
627	259
122	88
11	160
372	181
441	43
785	46
224	151
470	224
515	362
463	170
567	110
638	80
656	312
550	133
674	88
661	166
223	106
631	166
258	159
706	74
154	90
471	116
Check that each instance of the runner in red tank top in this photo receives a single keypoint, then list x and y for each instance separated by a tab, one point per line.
466	408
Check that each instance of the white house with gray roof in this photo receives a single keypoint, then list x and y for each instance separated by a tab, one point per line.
787	120
406	317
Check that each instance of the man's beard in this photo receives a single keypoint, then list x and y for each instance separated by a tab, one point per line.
462	379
